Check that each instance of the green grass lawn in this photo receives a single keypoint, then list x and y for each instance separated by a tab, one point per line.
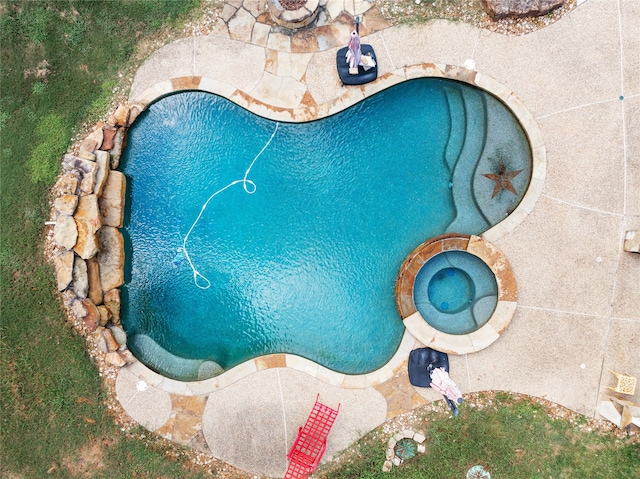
512	438
59	64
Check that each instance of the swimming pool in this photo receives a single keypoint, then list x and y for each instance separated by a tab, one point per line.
307	263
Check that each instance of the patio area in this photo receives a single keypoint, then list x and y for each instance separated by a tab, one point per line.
578	310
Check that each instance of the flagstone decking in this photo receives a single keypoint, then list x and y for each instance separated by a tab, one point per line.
578	310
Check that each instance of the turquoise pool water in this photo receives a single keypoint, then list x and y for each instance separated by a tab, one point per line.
307	263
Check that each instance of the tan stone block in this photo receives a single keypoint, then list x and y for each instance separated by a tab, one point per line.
64	269
134	111
185	83
105	315
186	427
86	155
66	204
92	318
271	361
122	115
111	258
88	222
65	232
188	405
119	142
98	340
112	344
128	356
112	200
94	139
632	241
95	286
102	160
68	183
112	301
115	359
80	278
85	168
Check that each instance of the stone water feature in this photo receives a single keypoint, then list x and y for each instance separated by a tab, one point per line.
88	247
293	14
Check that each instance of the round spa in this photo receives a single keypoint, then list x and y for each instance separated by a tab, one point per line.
456	293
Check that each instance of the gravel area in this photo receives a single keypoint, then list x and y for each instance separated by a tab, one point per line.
413	12
466	11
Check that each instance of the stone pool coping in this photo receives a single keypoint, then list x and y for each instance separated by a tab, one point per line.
281	360
484	336
447	343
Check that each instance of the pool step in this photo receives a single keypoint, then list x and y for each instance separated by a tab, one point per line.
458	126
469	219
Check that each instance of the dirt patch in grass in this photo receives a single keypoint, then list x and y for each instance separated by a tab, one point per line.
88	461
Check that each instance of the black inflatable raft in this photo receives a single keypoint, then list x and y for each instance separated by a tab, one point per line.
363	76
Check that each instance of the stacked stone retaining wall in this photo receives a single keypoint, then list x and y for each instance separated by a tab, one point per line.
88	247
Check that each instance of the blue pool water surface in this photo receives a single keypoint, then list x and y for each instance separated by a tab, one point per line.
306	264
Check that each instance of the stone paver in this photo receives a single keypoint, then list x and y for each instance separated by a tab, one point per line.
578	311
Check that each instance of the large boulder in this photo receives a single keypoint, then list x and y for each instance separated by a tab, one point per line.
87	170
112	200
66	204
65	232
134	112
498	9
95	285
93	139
88	220
120	336
92	318
112	300
109	133
68	183
119	142
80	278
121	115
102	160
64	269
111	258
105	315
115	359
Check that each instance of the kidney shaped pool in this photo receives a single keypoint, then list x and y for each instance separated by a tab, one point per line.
248	237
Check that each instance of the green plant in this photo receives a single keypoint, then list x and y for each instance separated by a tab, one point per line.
33	19
100	105
38	88
74	31
53	136
4	117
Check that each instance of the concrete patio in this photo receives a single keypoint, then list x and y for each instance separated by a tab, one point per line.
578	311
